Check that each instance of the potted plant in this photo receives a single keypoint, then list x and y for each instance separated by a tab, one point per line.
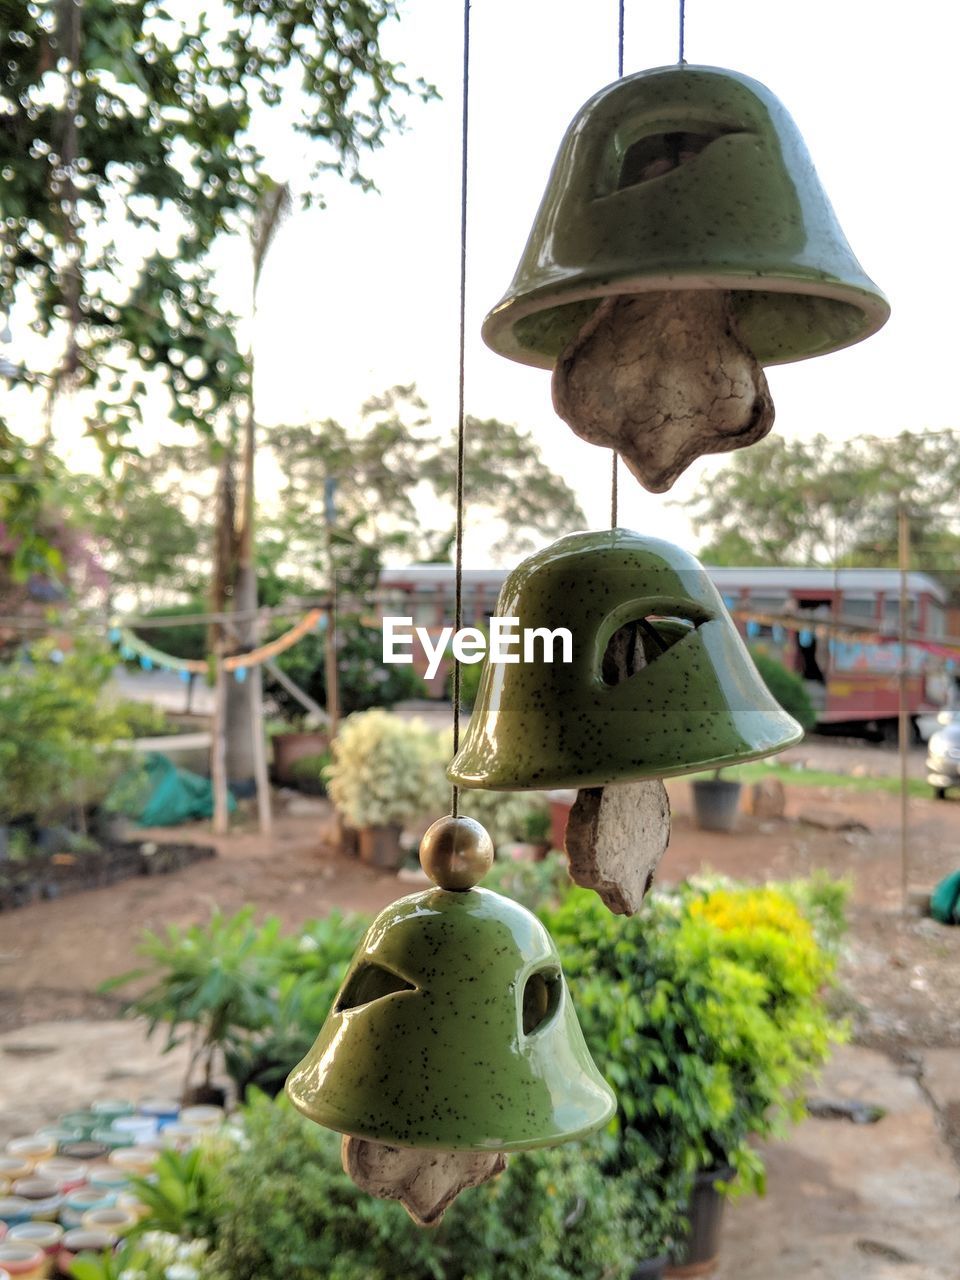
205	985
716	802
707	1016
385	772
308	773
307	738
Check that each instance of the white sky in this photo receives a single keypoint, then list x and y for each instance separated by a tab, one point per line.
364	294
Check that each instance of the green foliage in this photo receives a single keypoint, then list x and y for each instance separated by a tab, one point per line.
706	1014
212	980
310	967
834	502
153	1255
288	1212
185	640
120	119
386	769
309	772
59	733
539	886
471	674
243	989
509	816
788	689
365	681
179	1194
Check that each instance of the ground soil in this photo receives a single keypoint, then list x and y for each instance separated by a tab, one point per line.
901	973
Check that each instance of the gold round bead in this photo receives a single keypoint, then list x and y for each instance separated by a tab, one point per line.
456	853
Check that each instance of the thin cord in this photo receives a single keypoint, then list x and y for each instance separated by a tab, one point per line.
461	409
613	469
683	5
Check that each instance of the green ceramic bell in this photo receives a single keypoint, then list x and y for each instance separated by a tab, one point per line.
454	1028
687	177
697	703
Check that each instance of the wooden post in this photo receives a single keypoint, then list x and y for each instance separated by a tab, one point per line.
218	749
903	557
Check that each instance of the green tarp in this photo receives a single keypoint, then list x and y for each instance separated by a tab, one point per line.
158	794
945	900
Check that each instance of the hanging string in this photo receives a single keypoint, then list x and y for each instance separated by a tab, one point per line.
683	5
614	475
461	408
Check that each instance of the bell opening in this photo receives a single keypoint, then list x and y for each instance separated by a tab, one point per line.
541	999
371	982
660	153
640	642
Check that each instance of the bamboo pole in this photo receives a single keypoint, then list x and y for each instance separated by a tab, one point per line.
903	557
218	749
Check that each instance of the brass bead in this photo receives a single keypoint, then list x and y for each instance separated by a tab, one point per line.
456	853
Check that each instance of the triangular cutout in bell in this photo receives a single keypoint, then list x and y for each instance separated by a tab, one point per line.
687	178
696	702
454	1028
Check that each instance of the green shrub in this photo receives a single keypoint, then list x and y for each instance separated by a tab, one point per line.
288	1212
788	689
386	770
309	772
706	1015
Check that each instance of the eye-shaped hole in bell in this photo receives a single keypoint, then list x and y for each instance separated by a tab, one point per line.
370	982
639	643
541	999
660	153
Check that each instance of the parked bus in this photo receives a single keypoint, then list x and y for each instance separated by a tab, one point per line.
837	629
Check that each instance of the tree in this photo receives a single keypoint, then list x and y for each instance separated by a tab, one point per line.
126	151
819	501
350	496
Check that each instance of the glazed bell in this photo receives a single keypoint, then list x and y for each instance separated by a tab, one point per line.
687	177
697	703
454	1030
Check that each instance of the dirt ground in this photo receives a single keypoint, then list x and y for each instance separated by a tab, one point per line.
902	974
845	1202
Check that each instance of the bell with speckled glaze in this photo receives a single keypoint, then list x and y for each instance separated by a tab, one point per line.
454	1028
696	700
687	178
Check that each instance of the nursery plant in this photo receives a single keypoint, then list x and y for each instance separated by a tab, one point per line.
205	984
288	1212
706	1014
386	770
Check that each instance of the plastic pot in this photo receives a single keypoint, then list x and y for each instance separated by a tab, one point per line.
716	803
697	1256
380	846
649	1269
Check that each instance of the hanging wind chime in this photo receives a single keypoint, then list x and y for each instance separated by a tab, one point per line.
683	243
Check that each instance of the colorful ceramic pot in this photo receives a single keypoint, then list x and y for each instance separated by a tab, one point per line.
116	1221
23	1261
107	1178
14	1210
32	1150
81	1122
80	1202
81	1240
42	1235
112	1139
133	1160
14	1167
164	1110
110	1108
182	1136
68	1175
139	1128
207	1117
687	177
128	1200
85	1149
59	1133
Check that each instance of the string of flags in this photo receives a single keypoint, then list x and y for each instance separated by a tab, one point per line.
131	646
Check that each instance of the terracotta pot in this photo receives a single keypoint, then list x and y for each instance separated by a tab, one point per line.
561	802
290	747
23	1261
380	846
82	1241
